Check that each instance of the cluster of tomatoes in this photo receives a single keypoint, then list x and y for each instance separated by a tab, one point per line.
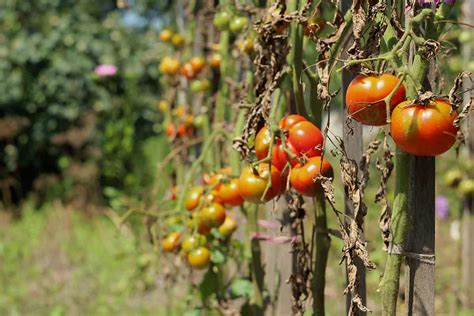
418	129
295	151
180	124
209	219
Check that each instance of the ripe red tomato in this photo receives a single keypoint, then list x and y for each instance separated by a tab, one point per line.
365	94
262	143
424	130
171	242
213	215
289	121
193	198
306	139
228	227
184	130
199	258
252	186
229	193
280	157
301	177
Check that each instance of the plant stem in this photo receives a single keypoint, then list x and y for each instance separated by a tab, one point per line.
323	243
295	58
257	271
399	225
400	222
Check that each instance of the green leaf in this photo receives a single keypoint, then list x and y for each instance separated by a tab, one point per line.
241	288
217	256
208	285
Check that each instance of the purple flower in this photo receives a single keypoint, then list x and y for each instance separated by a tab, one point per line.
105	70
441	207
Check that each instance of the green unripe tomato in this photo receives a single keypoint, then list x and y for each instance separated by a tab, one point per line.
238	24
465	37
221	20
199	121
196	86
466	187
192	242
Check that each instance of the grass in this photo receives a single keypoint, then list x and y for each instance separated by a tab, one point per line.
55	261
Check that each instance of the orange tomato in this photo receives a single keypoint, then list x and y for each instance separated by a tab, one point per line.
199	258
194	197
228	227
229	193
301	177
252	186
424	130
213	215
171	242
197	64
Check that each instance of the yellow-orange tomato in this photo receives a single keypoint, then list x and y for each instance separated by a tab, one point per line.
166	35
301	177
215	61
180	111
177	40
163	106
199	258
169	65
188	120
229	226
215	178
197	63
171	242
193	198
192	242
213	197
213	215
252	186
229	193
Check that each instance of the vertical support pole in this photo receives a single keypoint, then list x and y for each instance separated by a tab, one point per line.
467	259
354	148
419	273
420	249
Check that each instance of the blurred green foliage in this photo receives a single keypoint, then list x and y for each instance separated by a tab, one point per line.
57	116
